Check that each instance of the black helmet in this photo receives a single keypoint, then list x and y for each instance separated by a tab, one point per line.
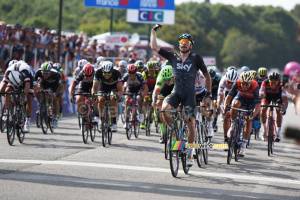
131	61
211	72
274	76
187	36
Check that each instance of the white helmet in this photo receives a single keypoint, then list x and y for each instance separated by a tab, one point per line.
12	62
107	66
15	78
232	75
100	59
246	76
82	62
122	63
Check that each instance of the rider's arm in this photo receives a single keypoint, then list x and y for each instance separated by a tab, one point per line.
71	89
27	87
120	89
96	81
262	90
207	81
256	100
145	89
153	41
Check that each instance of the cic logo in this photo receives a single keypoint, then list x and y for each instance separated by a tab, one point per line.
155	16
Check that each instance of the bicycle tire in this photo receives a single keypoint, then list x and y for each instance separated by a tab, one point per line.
128	129
230	148
21	122
167	142
236	145
199	140
205	150
11	125
79	121
148	121
174	155
104	133
44	118
93	131
136	127
50	118
3	123
38	120
270	124
110	133
84	130
183	161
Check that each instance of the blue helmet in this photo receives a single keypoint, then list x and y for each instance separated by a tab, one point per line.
245	68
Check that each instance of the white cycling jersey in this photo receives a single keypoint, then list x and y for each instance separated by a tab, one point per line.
200	83
23	68
223	86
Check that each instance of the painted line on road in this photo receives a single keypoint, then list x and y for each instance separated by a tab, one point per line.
152	169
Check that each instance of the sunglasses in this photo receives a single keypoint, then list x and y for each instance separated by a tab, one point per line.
151	70
131	72
274	82
167	79
230	83
106	73
186	41
88	76
45	73
245	83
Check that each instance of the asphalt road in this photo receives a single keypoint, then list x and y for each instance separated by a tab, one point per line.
61	166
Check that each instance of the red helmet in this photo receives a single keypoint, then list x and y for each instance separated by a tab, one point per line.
88	70
132	68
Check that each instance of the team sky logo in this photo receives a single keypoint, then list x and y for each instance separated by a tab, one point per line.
154	16
184	67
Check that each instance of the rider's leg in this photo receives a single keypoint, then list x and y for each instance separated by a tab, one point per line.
80	103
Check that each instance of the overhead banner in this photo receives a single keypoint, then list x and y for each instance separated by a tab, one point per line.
132	4
151	16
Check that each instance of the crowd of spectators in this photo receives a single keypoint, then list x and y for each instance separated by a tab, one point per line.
36	46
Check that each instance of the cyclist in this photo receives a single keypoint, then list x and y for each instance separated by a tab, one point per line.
244	69
19	75
57	67
85	81
150	76
185	66
163	87
99	60
131	61
215	78
122	67
262	75
245	92
135	84
49	78
140	66
79	67
271	89
110	82
225	85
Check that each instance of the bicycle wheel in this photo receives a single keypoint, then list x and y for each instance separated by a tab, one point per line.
44	118
230	148
109	134
21	122
79	120
174	155
104	132
236	144
3	123
93	131
199	140
50	117
270	136
148	121
128	128
167	142
205	150
183	161
38	120
11	125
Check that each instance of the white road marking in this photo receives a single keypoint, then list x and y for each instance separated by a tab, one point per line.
152	169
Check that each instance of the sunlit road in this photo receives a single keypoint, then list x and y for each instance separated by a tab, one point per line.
61	166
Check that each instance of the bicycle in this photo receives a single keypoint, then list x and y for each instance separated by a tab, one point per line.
106	118
16	116
176	142
46	110
271	127
133	121
149	114
87	126
234	140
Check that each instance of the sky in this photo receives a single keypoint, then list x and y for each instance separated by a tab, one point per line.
286	4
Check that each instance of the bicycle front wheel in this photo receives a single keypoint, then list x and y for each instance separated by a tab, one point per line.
11	125
270	136
199	140
93	131
230	148
174	155
21	122
166	136
205	150
44	118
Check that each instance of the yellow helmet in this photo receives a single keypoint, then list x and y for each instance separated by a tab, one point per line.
262	71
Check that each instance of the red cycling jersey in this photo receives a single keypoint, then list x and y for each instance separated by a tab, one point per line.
247	93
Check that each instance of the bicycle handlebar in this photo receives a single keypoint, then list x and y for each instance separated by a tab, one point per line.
241	110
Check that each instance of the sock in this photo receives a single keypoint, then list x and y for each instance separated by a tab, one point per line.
244	142
265	126
114	120
28	118
215	120
190	152
278	131
60	109
209	124
162	131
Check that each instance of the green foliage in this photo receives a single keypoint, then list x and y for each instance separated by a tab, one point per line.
253	36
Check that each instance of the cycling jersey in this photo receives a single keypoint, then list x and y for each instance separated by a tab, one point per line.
215	86
52	82
160	82
259	81
84	85
251	93
223	86
115	77
76	71
185	78
200	83
270	94
150	80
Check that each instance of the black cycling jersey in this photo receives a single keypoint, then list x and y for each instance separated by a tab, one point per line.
115	77
84	85
52	82
138	81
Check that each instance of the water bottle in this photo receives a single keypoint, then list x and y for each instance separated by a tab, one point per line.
93	116
256	124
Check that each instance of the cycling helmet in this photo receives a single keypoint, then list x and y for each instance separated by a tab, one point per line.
151	64
231	67
131	60
100	59
186	36
15	78
12	62
245	68
167	72
57	66
81	63
107	66
139	64
262	71
88	70
232	75
246	76
46	66
253	72
211	72
274	76
132	68
122	63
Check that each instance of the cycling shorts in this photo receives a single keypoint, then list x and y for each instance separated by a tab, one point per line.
165	90
107	88
275	97
246	103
